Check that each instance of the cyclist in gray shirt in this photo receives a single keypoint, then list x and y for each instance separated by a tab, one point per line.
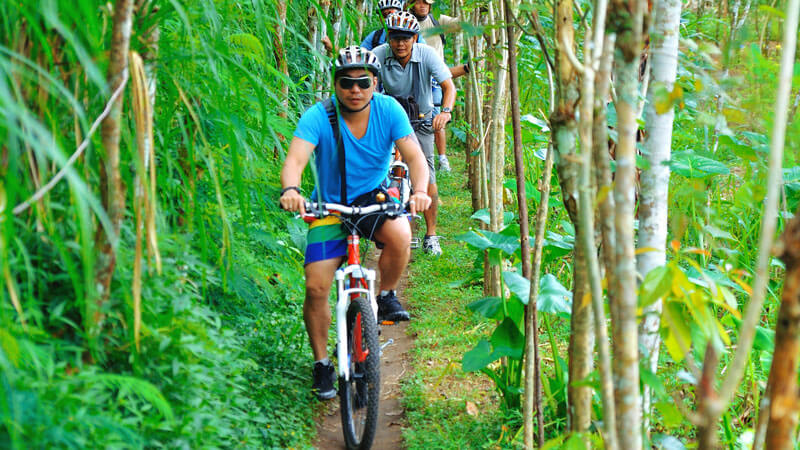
406	71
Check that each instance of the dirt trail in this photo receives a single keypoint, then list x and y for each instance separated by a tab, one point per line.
394	363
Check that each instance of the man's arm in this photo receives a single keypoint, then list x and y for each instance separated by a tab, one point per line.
296	160
448	101
418	167
458	71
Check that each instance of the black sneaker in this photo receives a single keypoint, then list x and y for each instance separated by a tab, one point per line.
323	381
389	308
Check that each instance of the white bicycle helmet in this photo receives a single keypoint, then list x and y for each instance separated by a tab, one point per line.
355	57
402	22
390	4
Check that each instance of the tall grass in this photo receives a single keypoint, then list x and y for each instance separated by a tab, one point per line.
209	351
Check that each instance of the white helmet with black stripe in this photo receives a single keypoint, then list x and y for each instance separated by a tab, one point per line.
402	22
355	57
390	4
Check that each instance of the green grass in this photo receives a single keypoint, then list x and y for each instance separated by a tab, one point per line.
438	392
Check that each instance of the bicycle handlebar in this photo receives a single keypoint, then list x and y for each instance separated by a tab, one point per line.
321	209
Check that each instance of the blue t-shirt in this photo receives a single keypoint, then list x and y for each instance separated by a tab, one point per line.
366	160
367	42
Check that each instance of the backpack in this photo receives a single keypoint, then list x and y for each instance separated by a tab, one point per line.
409	103
376	37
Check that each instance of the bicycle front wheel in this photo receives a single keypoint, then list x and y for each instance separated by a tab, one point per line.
359	394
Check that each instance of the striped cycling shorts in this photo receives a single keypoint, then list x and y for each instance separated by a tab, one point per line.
326	239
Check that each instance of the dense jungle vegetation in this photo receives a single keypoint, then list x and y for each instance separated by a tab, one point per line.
151	288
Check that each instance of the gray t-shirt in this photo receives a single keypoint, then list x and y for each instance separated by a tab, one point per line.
397	80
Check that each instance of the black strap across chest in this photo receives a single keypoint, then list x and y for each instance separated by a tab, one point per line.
333	118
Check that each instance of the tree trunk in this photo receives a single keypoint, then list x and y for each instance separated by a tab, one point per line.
111	184
280	56
783	401
532	405
565	129
733	376
602	162
655	179
458	49
592	52
496	158
626	21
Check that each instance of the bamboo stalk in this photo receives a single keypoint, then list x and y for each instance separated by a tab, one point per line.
592	55
747	328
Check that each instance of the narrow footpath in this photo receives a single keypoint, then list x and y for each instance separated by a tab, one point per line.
394	366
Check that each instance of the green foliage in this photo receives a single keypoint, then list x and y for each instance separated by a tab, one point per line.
223	360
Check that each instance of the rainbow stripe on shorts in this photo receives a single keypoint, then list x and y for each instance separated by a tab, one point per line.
326	239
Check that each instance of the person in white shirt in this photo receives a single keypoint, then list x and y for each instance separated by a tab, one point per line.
422	11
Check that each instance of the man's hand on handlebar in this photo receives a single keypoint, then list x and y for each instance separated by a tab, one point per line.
419	201
441	120
294	202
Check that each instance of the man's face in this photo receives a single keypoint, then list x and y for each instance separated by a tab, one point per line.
421	8
350	90
389	11
401	45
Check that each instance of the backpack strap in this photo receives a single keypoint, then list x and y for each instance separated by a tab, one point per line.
333	118
376	37
436	24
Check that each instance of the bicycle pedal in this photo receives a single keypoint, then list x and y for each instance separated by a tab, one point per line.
415	242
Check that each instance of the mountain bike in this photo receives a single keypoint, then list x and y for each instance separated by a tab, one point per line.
400	188
357	346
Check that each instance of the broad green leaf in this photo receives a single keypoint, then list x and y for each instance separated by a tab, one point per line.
554	298
539	123
519	285
775	12
692	165
678	335
652	380
561	244
502	242
9	346
475	239
657	284
483	216
575	442
489	307
507	340
516	312
717	233
530	192
478	358
791	175
672	416
764	339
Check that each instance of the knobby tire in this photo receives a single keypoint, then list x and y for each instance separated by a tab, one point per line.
359	395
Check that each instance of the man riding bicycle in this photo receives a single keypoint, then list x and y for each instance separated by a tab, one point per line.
407	71
378	37
369	124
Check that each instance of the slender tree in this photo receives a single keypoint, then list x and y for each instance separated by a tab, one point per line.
111	185
655	178
496	150
712	405
280	54
593	50
782	383
626	20
564	127
532	405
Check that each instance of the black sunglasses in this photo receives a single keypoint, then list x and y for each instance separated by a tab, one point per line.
363	82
